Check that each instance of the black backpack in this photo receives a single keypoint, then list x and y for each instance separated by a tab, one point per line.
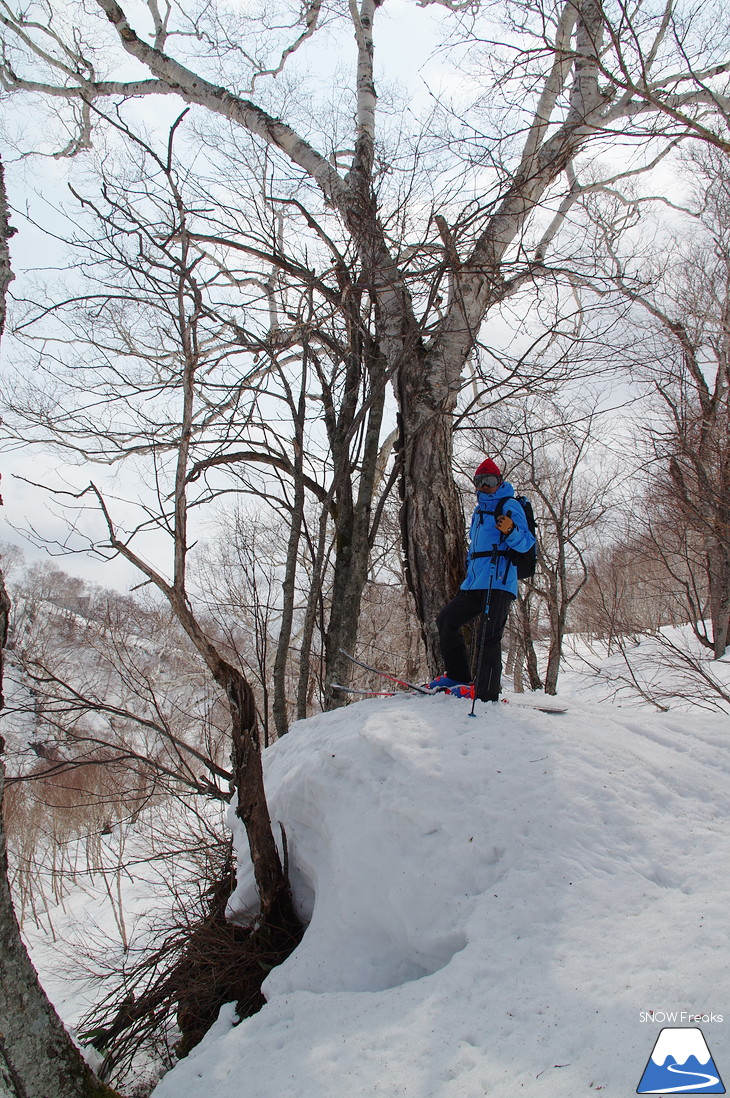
525	563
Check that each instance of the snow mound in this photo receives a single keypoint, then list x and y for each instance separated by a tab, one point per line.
496	903
384	860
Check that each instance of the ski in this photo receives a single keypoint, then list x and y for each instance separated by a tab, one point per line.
373	693
410	693
534	705
410	687
387	675
555	710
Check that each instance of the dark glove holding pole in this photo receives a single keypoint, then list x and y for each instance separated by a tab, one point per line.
505	525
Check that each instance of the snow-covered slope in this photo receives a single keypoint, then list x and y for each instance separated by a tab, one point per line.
497	904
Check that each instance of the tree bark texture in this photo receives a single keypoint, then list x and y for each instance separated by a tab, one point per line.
524	608
353	514
288	592
6	231
557	605
432	520
251	806
718	572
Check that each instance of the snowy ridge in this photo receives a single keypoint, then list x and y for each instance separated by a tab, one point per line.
493	903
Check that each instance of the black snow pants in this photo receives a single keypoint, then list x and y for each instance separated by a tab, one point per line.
462	608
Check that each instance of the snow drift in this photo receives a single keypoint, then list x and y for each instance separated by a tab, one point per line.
495	903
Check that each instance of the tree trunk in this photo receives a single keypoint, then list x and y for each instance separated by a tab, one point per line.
718	574
351	569
524	606
557	631
354	541
288	594
6	231
515	664
432	519
553	667
251	807
311	613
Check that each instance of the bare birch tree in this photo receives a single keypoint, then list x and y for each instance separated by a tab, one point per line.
153	394
681	348
582	73
286	348
571	502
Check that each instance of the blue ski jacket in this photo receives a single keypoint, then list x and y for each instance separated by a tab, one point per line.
495	569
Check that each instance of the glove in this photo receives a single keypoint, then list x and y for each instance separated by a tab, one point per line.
505	525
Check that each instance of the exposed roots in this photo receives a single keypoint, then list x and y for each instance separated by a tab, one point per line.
168	995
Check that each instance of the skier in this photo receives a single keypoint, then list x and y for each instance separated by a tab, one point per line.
488	590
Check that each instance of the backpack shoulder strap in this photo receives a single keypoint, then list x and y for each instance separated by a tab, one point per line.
499	509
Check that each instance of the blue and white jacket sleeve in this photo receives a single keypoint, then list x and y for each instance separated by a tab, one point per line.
520	538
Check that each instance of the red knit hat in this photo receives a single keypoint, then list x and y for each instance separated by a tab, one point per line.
487	466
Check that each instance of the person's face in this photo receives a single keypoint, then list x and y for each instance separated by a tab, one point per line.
487	482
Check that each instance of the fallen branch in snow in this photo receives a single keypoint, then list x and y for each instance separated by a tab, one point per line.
547	1069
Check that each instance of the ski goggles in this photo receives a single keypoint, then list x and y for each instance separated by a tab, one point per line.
486	480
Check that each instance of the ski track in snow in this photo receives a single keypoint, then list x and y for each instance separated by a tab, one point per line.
492	903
